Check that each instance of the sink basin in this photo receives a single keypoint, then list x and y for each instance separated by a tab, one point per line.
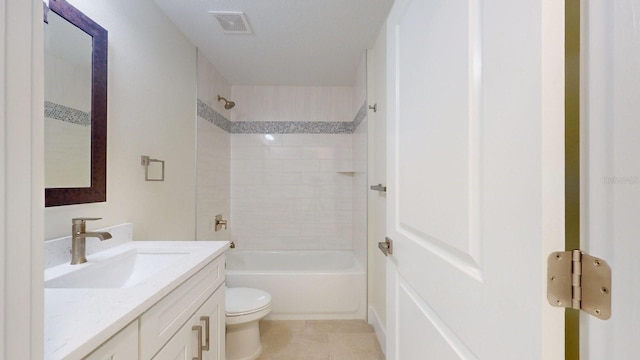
124	270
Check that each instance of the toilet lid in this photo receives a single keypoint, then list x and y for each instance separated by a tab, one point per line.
243	300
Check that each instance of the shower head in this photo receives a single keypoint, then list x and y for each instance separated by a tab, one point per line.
227	104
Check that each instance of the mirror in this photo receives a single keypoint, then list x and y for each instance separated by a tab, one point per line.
67	106
75	107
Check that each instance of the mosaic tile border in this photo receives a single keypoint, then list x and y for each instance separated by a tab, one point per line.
281	127
291	127
214	117
67	114
361	115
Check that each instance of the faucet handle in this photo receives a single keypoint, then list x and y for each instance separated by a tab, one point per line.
82	220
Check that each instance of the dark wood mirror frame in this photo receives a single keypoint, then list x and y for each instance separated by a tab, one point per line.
97	192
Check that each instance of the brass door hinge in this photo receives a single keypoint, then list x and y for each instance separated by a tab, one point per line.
579	281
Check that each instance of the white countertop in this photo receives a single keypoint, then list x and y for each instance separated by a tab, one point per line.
79	320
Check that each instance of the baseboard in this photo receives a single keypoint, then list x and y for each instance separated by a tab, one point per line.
374	320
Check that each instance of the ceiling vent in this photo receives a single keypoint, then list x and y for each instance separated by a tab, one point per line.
232	22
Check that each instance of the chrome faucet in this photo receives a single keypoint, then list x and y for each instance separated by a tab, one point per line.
78	239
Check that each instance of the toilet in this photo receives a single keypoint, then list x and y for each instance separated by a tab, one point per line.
244	309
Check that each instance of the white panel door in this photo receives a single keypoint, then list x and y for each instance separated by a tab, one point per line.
476	176
610	169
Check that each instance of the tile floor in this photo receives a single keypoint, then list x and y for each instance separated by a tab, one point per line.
319	340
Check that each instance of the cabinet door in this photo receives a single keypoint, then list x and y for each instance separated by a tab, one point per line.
123	346
210	317
159	324
213	313
182	345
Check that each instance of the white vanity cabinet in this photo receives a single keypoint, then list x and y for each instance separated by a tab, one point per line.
170	328
145	300
202	337
214	310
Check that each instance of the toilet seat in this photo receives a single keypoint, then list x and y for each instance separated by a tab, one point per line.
268	306
246	304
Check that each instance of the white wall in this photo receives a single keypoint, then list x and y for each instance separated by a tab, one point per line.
151	111
376	62
213	177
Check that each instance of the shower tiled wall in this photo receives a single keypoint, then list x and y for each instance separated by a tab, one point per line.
213	153
293	103
291	191
359	148
292	188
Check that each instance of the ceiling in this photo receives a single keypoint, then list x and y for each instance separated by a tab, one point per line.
294	42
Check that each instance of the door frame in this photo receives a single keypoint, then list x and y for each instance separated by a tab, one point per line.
572	159
22	180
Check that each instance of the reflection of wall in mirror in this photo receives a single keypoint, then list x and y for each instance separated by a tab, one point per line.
67	124
67	154
68	61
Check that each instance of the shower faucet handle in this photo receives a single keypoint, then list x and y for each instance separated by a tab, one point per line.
219	223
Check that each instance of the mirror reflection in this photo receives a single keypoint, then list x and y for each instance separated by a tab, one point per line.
68	52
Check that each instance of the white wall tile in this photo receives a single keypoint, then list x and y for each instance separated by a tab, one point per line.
291	191
257	139
283	152
318	140
360	85
337	203
213	154
273	178
301	166
256	165
299	191
360	191
336	165
211	84
292	103
248	153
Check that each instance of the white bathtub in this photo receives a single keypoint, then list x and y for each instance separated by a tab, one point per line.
304	284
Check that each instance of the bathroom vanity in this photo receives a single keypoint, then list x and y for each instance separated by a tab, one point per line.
137	300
